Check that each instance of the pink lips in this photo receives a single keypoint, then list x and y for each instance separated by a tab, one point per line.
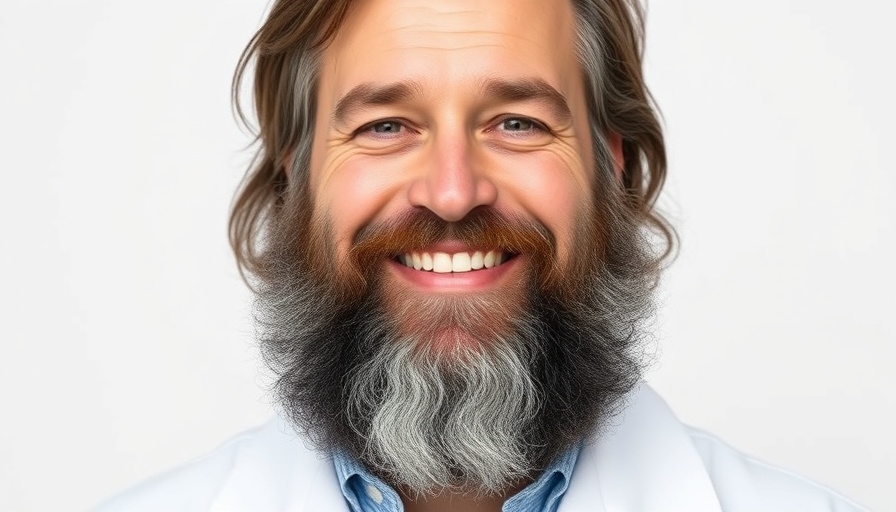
474	281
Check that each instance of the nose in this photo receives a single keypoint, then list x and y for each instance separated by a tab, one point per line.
454	181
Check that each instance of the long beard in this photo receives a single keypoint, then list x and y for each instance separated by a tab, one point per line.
446	419
494	407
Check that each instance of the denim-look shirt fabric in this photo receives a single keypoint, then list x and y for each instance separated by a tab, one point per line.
365	492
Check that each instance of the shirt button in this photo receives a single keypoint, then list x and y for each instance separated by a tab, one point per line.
375	494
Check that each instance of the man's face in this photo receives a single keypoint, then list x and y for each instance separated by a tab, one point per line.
447	106
454	296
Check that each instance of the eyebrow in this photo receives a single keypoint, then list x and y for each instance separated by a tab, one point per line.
368	94
528	89
494	89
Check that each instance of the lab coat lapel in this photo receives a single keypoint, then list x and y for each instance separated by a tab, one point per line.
644	461
278	471
324	492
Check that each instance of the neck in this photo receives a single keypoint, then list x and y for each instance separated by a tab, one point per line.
452	502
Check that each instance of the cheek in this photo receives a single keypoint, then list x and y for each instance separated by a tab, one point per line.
354	193
553	189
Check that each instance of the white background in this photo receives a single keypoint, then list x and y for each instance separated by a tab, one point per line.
126	334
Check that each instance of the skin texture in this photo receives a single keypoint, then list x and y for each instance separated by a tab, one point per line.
450	106
452	151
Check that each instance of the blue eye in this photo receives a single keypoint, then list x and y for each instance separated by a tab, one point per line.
384	133
385	127
518	124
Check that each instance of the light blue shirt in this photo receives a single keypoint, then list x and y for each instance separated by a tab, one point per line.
365	492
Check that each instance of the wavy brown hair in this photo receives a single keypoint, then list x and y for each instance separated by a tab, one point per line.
283	57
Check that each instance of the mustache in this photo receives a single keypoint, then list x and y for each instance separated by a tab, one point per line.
483	228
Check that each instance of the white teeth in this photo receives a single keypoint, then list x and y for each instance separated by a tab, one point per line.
476	260
445	263
460	262
441	263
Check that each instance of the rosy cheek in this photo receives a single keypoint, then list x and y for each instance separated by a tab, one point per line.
356	193
554	190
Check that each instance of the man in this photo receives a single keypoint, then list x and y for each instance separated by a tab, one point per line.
450	229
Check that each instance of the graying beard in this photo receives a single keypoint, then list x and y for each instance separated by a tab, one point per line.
496	408
446	419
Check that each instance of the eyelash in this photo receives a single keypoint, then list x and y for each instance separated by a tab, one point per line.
368	128
537	126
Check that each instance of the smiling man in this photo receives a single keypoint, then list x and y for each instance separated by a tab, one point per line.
451	233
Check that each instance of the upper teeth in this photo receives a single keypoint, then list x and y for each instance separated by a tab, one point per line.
444	263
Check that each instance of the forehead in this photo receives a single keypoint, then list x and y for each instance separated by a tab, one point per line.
449	41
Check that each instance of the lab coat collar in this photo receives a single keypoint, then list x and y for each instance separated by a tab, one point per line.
643	460
279	470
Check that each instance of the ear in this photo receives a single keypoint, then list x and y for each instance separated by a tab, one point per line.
615	141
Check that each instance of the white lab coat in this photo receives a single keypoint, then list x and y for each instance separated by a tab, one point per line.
645	461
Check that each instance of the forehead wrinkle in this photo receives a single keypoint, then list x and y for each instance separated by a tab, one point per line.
373	94
437	37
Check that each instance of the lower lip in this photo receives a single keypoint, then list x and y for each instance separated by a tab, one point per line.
473	281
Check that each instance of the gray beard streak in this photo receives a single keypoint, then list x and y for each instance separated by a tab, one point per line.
449	419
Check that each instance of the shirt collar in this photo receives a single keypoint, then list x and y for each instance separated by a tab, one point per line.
365	492
545	492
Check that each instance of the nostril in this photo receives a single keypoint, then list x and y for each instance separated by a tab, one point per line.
451	189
